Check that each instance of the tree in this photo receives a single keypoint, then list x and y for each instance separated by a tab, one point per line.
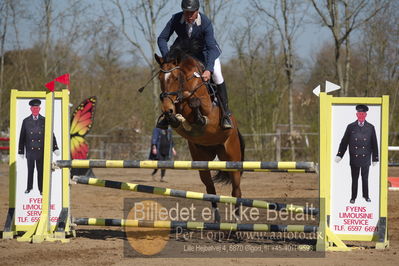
220	14
342	17
376	69
60	26
4	18
256	79
138	22
11	12
286	19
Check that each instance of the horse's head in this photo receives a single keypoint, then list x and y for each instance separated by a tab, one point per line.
172	81
183	90
180	79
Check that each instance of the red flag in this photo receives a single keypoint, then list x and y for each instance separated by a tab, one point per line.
64	79
50	86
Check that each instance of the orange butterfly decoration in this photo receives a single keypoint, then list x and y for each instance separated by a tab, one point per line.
81	123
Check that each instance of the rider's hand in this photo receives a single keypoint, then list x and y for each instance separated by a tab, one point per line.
206	75
337	159
154	150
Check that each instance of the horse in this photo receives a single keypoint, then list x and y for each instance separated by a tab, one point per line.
187	106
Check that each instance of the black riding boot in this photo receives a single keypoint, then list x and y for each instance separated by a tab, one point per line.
222	92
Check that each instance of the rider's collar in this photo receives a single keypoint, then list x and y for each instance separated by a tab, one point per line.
196	21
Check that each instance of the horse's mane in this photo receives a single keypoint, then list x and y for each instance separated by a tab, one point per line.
183	49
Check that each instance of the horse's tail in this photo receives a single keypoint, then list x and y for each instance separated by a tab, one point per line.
242	146
223	176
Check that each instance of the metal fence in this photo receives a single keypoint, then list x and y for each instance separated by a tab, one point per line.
127	145
265	147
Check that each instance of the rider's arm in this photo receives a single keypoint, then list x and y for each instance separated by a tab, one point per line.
164	37
212	47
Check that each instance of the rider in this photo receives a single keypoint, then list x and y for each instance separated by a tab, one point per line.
191	24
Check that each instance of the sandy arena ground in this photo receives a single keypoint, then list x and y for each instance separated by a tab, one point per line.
104	246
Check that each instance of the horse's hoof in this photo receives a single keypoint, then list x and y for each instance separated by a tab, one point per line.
180	118
216	215
175	123
236	237
163	123
186	125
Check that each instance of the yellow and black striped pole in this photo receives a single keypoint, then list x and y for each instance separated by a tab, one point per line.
192	165
196	225
195	195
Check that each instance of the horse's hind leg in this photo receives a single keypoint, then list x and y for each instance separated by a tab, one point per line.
232	152
202	154
206	179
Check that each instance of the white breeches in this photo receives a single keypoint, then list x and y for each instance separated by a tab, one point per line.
217	72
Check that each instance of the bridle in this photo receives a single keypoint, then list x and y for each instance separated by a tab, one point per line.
180	97
178	93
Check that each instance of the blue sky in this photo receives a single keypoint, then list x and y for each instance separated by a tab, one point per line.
308	40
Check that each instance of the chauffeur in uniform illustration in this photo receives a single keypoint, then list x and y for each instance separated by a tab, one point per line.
31	143
363	147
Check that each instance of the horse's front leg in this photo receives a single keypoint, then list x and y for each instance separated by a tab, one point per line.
199	119
200	153
170	119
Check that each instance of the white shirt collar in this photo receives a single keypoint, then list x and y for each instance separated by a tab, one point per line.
196	21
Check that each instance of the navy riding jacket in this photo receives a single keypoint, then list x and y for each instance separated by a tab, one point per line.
202	32
362	142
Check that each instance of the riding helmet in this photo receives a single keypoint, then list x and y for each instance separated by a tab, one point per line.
190	5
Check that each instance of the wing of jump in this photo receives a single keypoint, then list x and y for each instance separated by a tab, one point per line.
81	123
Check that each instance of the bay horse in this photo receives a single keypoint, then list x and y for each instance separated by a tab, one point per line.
188	107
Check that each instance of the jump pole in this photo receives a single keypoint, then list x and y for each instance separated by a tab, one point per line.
188	165
196	225
194	195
